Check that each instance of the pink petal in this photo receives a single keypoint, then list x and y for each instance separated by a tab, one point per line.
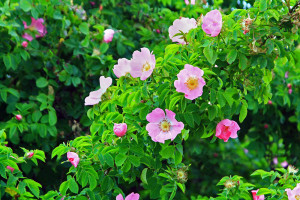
156	116
119	197
133	196
105	83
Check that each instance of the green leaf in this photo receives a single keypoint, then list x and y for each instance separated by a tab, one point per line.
144	176
263	191
243	112
210	55
134	160
52	117
188	117
26	5
212	112
84	28
73	186
104	47
36	115
109	159
263	5
167	152
231	56
41	82
64	187
120	159
33	186
242	61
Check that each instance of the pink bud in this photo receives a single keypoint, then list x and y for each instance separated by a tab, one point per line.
266	126
25	44
92	3
18	117
216	155
120	129
284	164
290	91
289	85
270	102
157	31
10	168
29	154
100	7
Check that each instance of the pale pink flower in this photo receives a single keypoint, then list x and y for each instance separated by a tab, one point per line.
286	75
10	168
18	117
120	129
24	44
260	197
95	96
142	64
184	25
190	82
275	160
294	194
212	23
131	196
108	35
122	68
226	129
284	164
290	91
187	2
37	26
29	154
73	158
163	127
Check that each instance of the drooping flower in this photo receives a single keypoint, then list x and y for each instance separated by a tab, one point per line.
142	64
131	196
108	35
10	168
24	44
255	197
163	126
226	129
122	68
184	25
18	117
29	154
73	158
95	96
37	26
294	194
190	82
187	2
212	23
120	129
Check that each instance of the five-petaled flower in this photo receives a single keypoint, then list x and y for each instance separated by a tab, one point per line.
226	129
131	196
181	25
95	96
212	23
142	64
294	194
122	68
255	197
73	158
35	26
190	82
163	126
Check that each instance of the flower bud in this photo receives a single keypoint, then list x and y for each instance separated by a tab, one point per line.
289	85
25	44
120	129
266	126
157	31
10	168
29	154
270	102
19	117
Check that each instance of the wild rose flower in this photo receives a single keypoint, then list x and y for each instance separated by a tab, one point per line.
95	96
294	194
212	23
275	160
255	197
226	129
131	196
29	154
142	64
284	164
18	117
108	35
24	44
37	26
73	158
163	127
120	129
10	168
122	68
190	82
184	25
187	2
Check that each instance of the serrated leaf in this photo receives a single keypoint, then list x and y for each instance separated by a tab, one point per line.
231	56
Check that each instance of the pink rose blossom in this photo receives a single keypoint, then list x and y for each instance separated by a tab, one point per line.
163	127
122	68
120	129
270	102
73	158
18	117
284	164
157	31
10	168
212	23
294	194
184	25
190	82
29	154
131	196
187	2
142	64
95	96
260	197
24	44
37	26
108	35
275	160
226	129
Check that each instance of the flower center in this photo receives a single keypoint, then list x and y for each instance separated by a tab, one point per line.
165	125
146	67
192	83
71	159
297	197
180	174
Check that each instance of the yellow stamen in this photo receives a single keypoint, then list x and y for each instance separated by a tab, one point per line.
192	83
146	67
165	125
297	197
